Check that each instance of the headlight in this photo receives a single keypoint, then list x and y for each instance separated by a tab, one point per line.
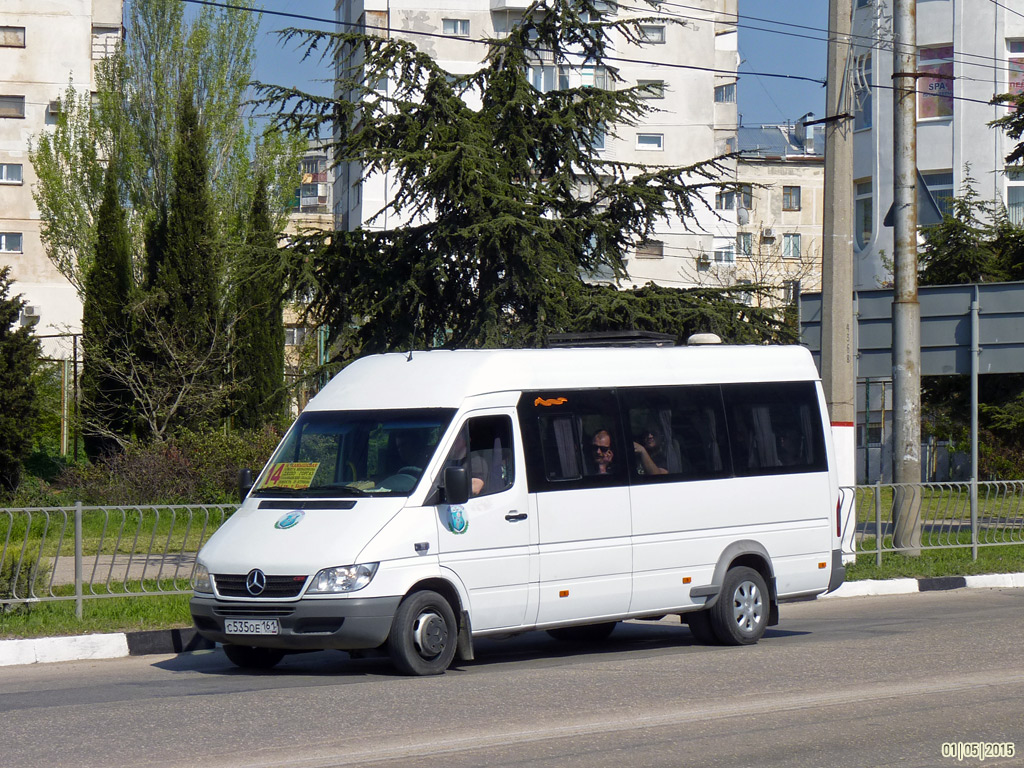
342	578
201	579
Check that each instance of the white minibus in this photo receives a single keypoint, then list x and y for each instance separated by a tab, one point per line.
423	500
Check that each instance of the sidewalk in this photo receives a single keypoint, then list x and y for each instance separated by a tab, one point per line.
119	644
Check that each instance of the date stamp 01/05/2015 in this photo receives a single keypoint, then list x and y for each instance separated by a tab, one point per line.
978	750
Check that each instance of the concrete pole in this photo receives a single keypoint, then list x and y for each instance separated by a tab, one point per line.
837	336
906	311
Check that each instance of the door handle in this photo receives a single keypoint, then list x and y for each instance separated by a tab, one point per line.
514	516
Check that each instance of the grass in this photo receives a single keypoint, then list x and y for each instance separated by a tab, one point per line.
936	562
115	614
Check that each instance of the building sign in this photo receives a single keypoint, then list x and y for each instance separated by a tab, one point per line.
935	84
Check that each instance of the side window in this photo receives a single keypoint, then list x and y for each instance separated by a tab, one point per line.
774	428
572	439
678	433
484	447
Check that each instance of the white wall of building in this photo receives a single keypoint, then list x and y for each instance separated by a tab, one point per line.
62	40
980	34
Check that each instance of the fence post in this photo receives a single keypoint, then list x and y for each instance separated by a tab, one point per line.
878	520
78	560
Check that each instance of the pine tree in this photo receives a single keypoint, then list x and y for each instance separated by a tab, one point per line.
107	399
258	349
490	173
958	249
19	357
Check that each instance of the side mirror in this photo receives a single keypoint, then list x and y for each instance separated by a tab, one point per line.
456	485
244	484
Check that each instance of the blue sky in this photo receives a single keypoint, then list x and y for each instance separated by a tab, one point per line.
761	99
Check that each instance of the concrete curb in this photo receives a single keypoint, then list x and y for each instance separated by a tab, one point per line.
81	647
42	650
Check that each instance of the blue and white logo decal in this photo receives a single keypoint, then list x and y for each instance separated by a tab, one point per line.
290	520
457	522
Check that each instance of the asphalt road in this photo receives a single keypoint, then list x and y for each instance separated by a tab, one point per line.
879	681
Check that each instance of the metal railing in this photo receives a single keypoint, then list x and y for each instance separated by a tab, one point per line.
78	553
940	516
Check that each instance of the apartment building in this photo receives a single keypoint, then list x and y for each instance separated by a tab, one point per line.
967	52
780	210
695	121
43	44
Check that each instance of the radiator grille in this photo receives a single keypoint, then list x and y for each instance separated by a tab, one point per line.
233	585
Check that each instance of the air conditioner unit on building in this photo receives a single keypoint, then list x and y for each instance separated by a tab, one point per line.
53	108
29	315
768	233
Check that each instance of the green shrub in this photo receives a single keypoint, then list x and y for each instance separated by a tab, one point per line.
189	468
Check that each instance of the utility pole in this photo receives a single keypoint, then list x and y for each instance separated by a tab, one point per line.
837	372
906	311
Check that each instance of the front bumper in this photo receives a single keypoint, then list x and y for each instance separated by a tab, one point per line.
344	624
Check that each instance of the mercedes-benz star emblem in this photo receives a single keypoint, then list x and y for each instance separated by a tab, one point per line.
256	582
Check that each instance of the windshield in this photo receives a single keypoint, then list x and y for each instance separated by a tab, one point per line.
354	453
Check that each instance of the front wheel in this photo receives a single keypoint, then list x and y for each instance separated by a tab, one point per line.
740	616
252	657
424	635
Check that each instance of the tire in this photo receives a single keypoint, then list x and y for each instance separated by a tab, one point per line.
585	633
250	657
740	616
699	623
424	635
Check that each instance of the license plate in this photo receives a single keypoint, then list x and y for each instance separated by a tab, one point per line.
251	627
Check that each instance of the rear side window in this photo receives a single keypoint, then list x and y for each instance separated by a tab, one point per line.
677	433
774	428
572	440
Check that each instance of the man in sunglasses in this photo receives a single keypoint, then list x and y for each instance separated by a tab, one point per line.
602	454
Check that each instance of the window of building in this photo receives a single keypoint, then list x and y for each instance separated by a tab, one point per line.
725	200
294	336
1015	66
104	41
10	173
935	84
791	246
653	89
862	93
746	196
651	249
652	33
791	198
546	78
10	242
940	184
650	141
862	224
12	106
863	3
790	290
1015	195
744	244
457	27
12	37
725	253
725	94
593	77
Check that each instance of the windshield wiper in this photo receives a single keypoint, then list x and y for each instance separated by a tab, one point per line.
346	489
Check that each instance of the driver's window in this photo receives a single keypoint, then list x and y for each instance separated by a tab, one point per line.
483	447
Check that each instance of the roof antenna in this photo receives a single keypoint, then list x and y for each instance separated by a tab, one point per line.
415	327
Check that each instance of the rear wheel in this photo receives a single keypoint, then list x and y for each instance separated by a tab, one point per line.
424	635
251	657
740	616
586	633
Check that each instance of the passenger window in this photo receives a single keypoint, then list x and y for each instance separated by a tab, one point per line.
572	439
678	433
484	447
775	428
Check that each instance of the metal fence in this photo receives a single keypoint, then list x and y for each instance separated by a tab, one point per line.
941	516
77	553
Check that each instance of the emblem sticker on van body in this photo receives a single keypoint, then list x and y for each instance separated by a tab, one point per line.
290	520
457	522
